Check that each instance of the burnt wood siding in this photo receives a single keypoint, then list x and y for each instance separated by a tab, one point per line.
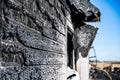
33	37
33	40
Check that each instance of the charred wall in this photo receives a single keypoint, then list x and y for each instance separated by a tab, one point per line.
33	36
33	40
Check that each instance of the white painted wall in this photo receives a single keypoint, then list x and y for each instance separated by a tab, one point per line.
84	68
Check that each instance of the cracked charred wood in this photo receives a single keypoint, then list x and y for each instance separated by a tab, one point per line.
84	10
33	37
33	73
17	54
82	39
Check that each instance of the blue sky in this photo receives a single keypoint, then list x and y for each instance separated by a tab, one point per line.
107	41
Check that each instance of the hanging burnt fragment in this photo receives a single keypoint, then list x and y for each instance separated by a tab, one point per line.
82	39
